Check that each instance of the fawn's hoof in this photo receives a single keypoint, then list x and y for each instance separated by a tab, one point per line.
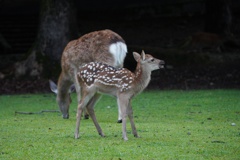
101	134
76	136
125	138
119	121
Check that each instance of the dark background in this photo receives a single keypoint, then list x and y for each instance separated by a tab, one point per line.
157	26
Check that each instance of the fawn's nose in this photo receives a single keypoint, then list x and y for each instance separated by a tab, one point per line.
161	64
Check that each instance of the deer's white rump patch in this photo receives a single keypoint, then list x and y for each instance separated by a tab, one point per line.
119	51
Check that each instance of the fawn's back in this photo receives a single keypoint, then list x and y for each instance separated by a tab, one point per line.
106	75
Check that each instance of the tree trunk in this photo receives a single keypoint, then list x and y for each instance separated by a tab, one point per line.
57	26
218	17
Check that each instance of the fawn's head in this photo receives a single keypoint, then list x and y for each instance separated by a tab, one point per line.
148	61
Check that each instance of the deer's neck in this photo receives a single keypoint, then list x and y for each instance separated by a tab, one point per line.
142	78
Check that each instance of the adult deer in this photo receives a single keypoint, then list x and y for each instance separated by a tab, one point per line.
103	46
97	77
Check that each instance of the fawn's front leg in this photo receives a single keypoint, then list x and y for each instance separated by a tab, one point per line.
130	116
82	104
90	109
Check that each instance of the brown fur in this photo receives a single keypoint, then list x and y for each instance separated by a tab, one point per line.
91	47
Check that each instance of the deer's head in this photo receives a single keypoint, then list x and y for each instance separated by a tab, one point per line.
63	106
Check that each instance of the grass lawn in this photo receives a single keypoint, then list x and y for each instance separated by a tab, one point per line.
178	124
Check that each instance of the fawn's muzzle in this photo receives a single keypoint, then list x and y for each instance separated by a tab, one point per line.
161	64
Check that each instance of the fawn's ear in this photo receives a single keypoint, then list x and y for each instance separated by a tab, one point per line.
53	86
143	55
136	56
72	88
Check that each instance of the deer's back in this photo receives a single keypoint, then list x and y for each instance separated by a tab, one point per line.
91	47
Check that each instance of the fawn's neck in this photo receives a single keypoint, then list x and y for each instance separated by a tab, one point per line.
142	78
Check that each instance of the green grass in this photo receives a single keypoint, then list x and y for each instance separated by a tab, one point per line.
172	125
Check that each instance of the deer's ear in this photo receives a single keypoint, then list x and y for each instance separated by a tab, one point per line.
136	56
53	86
72	88
143	55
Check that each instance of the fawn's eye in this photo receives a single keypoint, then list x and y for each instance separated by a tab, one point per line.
152	60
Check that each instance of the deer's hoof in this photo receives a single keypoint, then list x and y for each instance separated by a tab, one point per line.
119	121
137	136
86	116
65	116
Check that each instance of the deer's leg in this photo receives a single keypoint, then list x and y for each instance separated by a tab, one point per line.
91	103
90	108
85	113
130	116
79	113
82	104
119	115
78	90
123	103
63	97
